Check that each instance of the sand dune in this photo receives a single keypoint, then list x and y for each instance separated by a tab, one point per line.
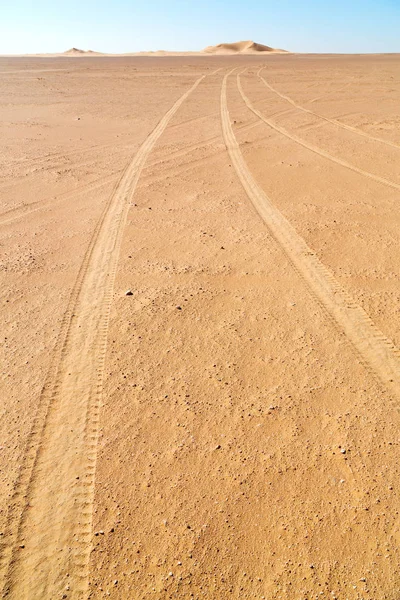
244	47
79	52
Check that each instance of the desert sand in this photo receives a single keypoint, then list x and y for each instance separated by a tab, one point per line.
200	327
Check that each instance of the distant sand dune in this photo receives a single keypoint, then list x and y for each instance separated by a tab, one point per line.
245	47
79	52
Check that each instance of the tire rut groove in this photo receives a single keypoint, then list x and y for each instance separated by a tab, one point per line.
333	121
49	526
377	352
311	147
22	210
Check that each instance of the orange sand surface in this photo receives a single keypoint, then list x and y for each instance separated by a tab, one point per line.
200	374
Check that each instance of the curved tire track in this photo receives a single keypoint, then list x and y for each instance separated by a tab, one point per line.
375	349
327	94
13	214
332	121
49	529
313	148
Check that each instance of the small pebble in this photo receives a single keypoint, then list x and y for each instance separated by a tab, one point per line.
129	293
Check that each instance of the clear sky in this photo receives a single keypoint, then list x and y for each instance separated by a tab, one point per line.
30	26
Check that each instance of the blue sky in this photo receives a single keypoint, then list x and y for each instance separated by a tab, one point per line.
29	26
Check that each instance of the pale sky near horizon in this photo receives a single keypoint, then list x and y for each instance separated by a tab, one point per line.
35	26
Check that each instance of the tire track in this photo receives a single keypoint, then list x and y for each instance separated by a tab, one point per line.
41	161
21	210
49	528
327	94
13	214
313	148
193	147
375	349
332	121
95	162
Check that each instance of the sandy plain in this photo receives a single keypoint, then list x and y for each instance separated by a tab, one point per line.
231	428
